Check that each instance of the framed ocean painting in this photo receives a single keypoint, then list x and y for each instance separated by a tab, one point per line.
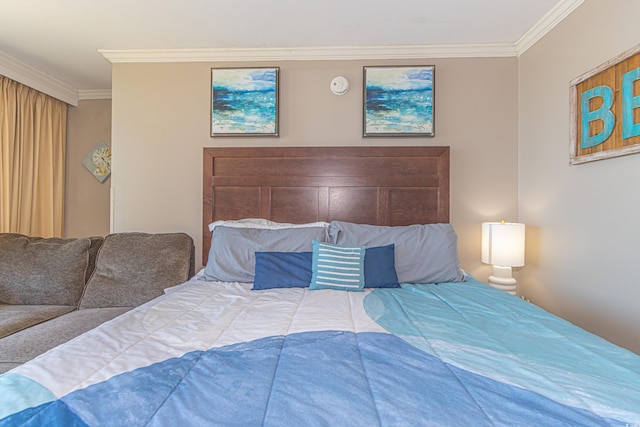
399	101
244	101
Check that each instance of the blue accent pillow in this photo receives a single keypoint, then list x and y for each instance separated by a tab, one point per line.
380	267
282	270
337	267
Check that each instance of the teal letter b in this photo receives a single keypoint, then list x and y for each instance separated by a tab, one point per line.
603	113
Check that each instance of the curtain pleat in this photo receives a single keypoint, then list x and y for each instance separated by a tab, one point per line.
33	130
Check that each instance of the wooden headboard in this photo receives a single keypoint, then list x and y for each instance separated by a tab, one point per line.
367	185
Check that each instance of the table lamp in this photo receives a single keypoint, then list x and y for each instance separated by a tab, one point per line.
503	247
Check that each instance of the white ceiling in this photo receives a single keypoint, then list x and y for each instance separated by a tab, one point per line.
71	42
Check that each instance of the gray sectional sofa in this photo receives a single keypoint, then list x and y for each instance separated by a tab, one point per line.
52	290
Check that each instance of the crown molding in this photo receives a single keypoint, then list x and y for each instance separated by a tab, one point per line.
86	94
546	24
29	76
309	53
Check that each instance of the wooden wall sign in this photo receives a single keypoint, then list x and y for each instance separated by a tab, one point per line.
605	110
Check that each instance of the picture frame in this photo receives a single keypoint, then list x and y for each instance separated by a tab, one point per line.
244	101
98	162
398	101
605	118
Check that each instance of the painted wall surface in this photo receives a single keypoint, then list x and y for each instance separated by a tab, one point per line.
86	199
583	234
161	117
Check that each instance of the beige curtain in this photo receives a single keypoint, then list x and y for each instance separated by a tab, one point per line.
33	130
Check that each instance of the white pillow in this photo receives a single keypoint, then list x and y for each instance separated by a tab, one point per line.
264	224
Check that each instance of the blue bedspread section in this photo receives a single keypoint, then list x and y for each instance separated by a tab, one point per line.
30	393
444	354
478	328
295	380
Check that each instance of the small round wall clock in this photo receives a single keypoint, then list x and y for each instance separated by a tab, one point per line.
98	161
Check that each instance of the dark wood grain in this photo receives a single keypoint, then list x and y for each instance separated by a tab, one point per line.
369	185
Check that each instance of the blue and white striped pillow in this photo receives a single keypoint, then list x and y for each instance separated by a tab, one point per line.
337	267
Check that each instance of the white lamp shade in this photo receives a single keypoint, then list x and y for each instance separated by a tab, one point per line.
503	244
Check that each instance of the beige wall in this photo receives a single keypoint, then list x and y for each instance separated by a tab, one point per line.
86	199
583	234
161	123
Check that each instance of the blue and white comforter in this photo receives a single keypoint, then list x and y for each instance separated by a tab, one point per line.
220	354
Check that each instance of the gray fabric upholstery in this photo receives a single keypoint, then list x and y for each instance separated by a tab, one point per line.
29	343
42	279
14	318
42	271
133	268
96	242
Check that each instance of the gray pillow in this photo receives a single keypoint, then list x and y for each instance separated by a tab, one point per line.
232	256
423	253
36	271
133	268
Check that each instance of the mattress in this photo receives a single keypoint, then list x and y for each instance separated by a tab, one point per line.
219	353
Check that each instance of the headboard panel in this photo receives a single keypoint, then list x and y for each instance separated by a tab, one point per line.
369	185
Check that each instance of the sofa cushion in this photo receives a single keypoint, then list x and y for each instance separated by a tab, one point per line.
38	271
14	318
25	345
133	268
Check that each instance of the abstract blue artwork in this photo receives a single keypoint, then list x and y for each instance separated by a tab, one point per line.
244	101
398	101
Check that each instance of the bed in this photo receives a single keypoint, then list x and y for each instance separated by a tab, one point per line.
332	295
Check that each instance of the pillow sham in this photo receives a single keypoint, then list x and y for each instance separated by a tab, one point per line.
263	223
232	254
337	267
423	253
282	270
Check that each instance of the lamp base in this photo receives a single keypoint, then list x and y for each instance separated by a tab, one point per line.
502	279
